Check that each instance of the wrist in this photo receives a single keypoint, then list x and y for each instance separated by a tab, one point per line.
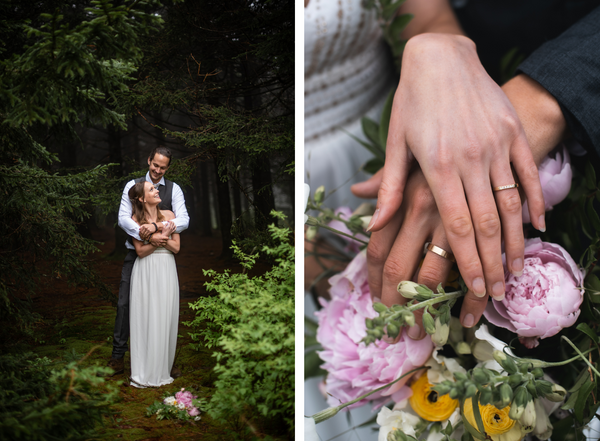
539	113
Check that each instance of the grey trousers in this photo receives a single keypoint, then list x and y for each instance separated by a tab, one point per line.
121	334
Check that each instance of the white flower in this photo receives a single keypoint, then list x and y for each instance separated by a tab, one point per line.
306	195
170	401
197	418
391	420
310	430
442	368
483	348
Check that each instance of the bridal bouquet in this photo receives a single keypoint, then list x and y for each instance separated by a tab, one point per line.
183	406
528	369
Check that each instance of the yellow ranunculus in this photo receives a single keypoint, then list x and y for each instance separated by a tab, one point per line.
428	404
495	421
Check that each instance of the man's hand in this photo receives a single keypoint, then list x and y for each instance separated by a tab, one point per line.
147	229
451	117
158	240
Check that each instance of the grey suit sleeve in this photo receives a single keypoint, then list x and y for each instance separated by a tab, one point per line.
569	68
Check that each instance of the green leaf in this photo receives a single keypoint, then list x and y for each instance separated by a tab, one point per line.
372	166
371	130
584	327
593	215
390	10
582	398
384	121
590	176
397	26
370	147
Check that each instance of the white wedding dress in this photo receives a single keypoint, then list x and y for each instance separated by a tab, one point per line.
348	74
153	318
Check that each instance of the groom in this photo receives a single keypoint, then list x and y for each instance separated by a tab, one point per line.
171	199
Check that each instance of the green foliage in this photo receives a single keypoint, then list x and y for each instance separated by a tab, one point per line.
251	321
391	22
59	67
39	404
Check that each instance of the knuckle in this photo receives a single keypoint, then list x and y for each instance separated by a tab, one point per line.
422	201
376	253
460	226
393	270
488	224
430	276
511	124
473	151
511	203
530	173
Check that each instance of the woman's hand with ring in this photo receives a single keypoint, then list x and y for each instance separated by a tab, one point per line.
451	117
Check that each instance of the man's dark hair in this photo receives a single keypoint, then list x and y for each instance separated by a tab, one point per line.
161	151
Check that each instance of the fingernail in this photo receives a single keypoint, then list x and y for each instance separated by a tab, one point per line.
542	223
498	290
414	332
373	220
479	287
468	321
517	267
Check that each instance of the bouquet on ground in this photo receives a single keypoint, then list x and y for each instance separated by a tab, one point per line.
182	405
528	369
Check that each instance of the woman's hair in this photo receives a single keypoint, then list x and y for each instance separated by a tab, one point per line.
135	193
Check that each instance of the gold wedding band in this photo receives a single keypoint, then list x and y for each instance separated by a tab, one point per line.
441	252
506	187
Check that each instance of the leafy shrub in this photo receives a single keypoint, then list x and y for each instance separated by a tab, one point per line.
37	404
251	320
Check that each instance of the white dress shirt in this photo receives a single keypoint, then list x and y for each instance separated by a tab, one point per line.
127	224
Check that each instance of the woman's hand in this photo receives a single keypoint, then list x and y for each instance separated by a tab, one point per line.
394	252
451	117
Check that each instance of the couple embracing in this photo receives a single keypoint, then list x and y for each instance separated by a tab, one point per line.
152	213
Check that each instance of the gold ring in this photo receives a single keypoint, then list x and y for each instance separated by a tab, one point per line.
441	252
506	187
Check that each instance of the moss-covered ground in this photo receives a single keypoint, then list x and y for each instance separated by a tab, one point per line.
74	322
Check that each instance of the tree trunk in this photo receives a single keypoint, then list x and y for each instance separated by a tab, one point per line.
224	203
262	188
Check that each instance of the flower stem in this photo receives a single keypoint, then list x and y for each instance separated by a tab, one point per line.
436	299
332	411
582	356
341	233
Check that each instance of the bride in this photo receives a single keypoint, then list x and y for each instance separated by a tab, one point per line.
154	310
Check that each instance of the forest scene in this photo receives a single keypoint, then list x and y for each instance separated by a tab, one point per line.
87	90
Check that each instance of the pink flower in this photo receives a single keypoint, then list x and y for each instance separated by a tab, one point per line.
555	177
545	299
184	397
353	368
193	411
346	213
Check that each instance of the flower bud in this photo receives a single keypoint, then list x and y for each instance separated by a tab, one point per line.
428	323
369	323
319	195
456	332
365	221
379	307
364	209
397	435
470	390
543	387
409	318
507	363
519	402
515	379
440	336
408	289
538	372
325	414
527	419
506	395
311	232
392	330
557	394
462	347
486	396
443	388
480	376
531	389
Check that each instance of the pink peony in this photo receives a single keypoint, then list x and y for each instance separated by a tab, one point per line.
545	299
353	245
193	411
555	177
353	368
185	397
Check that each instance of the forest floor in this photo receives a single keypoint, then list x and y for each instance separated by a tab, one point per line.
74	320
